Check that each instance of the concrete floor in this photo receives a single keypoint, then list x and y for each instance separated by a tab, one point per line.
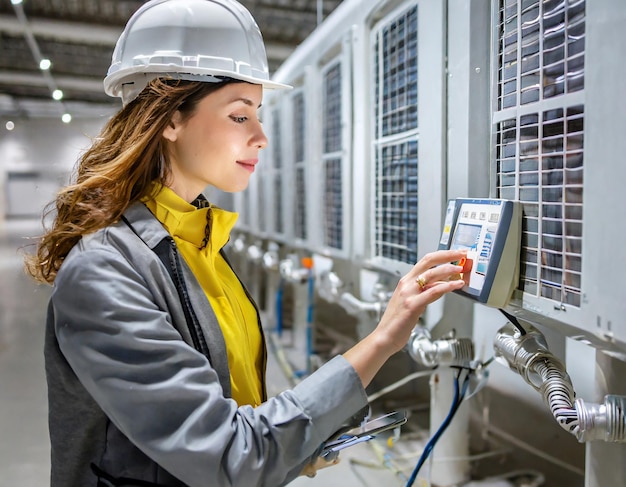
24	449
24	444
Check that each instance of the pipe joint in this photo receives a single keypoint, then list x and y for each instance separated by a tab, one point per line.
291	273
445	351
255	253
329	286
606	422
525	353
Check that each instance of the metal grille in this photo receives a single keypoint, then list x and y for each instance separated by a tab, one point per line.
300	208
246	208
396	84
541	50
332	109
299	196
539	140
396	199
333	228
262	216
277	166
333	195
396	202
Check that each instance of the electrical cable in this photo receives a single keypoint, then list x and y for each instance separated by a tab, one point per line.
471	458
459	394
514	321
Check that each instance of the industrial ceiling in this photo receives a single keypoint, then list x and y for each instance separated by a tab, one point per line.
78	37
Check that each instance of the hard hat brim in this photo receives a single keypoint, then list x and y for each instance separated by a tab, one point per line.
141	75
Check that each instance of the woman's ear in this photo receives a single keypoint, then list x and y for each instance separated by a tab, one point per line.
171	130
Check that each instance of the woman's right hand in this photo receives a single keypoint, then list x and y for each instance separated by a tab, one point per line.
432	277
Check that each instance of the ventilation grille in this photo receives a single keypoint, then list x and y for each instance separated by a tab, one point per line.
246	208
333	211
299	196
396	81
395	63
541	50
333	195
332	109
540	139
277	160
396	202
300	207
262	215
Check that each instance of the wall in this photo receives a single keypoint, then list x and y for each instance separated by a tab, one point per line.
36	159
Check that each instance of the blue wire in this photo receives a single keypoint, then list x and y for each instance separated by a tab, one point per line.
456	402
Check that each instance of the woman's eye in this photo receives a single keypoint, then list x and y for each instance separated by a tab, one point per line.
239	119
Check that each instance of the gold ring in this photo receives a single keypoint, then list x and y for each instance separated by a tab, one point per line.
421	282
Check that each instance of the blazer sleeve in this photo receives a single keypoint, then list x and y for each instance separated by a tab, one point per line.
165	396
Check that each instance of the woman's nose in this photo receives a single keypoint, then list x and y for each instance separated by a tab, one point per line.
260	139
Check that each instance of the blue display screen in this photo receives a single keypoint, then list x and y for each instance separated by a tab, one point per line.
466	237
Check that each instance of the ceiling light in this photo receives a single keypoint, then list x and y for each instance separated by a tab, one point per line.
57	94
45	64
67	118
10	125
16	2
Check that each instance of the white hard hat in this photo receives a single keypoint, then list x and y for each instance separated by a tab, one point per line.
187	39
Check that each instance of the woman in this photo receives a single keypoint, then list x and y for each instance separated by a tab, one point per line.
155	356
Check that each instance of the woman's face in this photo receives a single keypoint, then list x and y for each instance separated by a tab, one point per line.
219	144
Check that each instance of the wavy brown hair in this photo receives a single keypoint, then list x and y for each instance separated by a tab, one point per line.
117	170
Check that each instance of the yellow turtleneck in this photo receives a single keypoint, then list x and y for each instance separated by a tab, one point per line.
235	313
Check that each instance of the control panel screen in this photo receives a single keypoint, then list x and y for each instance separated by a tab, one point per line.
489	230
466	237
475	231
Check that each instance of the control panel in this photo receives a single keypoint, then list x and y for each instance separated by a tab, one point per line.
490	231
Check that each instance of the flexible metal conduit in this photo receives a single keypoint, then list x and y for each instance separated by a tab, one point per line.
529	356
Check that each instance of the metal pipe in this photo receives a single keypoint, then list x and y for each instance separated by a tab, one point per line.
355	306
444	351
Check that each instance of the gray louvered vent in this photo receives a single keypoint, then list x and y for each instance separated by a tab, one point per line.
333	196
262	215
539	139
299	198
396	138
277	160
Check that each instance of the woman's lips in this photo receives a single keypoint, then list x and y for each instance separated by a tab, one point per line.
248	164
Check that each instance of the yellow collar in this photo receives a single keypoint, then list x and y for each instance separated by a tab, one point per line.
183	220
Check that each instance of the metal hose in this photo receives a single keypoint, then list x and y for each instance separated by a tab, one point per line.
528	355
559	394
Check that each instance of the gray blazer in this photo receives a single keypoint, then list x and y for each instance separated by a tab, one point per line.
139	390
